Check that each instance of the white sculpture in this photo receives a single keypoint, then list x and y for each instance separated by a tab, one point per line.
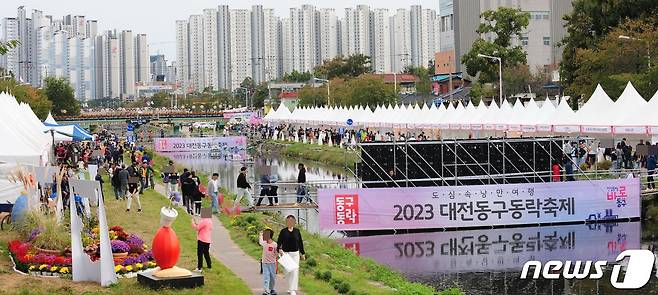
83	269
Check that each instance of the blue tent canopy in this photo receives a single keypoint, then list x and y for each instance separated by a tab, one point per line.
78	133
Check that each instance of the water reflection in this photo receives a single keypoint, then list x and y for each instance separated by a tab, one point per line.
490	261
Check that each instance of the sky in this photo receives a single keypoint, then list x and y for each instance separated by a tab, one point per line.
157	18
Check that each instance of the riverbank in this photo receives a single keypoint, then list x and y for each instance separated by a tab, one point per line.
330	268
327	155
219	280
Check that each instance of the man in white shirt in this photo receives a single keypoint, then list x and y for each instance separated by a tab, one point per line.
213	191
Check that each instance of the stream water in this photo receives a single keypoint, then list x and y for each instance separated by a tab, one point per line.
478	261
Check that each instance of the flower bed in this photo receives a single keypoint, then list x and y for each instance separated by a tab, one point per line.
133	257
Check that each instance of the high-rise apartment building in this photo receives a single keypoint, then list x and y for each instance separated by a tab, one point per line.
241	58
357	30
329	32
272	57
257	44
127	64
400	27
182	53
211	69
381	44
196	52
223	47
70	47
142	62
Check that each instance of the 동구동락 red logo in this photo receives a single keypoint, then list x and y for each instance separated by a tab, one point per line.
347	208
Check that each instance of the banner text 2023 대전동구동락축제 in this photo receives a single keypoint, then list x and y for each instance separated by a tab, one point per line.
483	205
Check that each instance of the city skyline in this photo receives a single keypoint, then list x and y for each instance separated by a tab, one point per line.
161	29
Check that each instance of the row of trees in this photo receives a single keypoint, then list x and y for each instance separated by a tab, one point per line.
57	96
595	53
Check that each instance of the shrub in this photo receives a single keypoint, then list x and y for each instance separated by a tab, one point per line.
326	276
317	275
311	262
31	221
584	166
250	219
53	237
343	288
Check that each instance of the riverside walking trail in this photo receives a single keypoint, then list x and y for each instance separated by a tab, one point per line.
228	253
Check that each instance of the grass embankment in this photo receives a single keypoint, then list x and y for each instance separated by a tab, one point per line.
219	280
328	155
329	268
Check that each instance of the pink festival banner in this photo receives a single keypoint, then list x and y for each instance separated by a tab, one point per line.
482	205
229	145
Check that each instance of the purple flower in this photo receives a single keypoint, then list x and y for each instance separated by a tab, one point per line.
135	240
129	261
119	246
35	232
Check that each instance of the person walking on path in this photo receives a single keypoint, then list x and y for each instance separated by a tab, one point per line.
170	179
301	180
213	191
243	189
266	240
123	175
203	229
186	188
133	193
290	242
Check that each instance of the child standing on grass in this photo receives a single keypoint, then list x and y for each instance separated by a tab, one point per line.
266	240
203	230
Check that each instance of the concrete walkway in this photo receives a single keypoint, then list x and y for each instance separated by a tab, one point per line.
228	253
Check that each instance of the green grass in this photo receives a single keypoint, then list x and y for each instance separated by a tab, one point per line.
219	280
362	275
327	155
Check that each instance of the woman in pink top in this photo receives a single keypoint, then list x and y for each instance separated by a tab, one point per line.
203	233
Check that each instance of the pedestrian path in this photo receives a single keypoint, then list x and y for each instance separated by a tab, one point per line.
228	253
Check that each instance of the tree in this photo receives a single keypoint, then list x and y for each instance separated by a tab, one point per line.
312	96
590	21
297	77
6	46
340	67
25	93
370	90
504	23
60	93
260	94
424	85
612	62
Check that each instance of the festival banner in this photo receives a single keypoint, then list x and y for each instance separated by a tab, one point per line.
479	205
501	249
629	129
229	145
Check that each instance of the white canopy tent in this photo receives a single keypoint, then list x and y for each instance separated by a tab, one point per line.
630	114
25	142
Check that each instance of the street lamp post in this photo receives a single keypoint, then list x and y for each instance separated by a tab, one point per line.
328	91
500	74
624	37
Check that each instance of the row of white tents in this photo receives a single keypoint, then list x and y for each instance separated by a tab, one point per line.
629	114
24	140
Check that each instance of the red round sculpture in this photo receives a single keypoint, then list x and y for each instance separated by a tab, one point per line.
166	248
